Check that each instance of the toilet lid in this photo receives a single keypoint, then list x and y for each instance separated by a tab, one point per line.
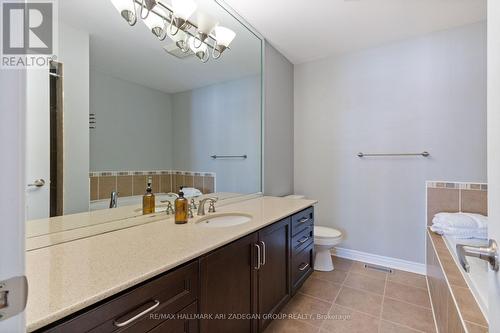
324	232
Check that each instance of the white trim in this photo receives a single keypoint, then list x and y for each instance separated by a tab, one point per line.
369	258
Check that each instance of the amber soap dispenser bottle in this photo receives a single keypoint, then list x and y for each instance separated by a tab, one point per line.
181	209
148	200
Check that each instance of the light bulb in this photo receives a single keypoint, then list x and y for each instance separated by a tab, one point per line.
127	10
183	9
224	36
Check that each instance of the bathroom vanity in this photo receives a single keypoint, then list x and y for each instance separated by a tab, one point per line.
162	277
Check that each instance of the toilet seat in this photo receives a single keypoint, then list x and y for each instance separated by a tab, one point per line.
326	236
324	232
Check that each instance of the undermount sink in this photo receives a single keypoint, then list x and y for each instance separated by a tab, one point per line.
224	220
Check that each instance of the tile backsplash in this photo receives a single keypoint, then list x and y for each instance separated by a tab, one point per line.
131	183
452	197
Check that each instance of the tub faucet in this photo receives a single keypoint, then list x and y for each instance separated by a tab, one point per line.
201	205
113	202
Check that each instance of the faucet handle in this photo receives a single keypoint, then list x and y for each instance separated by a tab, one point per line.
190	212
211	207
193	204
170	209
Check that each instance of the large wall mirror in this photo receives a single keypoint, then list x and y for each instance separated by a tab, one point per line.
123	104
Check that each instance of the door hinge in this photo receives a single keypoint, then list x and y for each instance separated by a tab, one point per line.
13	296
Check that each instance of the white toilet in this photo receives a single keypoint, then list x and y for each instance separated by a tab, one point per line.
324	240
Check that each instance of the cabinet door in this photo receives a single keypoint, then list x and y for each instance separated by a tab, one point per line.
228	287
274	282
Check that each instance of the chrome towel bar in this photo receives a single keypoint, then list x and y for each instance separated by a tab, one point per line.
424	154
218	157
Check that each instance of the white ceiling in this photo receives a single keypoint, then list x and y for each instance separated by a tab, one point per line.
135	54
305	30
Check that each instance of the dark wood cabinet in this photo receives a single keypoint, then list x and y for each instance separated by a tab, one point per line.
229	287
274	282
236	288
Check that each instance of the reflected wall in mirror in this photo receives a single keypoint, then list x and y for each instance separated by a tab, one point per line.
119	106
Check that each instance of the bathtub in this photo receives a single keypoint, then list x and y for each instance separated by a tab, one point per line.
477	278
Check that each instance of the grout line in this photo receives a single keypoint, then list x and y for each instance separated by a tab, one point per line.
418	306
382	305
432	304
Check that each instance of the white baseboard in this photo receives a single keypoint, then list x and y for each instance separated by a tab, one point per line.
403	265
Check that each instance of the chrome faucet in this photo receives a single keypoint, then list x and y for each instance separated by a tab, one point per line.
201	205
113	202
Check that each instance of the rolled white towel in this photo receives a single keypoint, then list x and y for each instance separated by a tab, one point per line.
460	220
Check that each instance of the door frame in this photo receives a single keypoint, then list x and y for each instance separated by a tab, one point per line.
12	171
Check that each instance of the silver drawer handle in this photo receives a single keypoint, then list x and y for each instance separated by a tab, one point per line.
134	318
258	257
303	220
303	268
303	240
263	253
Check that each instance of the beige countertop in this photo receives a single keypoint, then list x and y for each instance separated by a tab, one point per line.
70	276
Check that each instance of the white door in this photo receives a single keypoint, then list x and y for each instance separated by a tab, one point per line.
37	144
12	152
494	153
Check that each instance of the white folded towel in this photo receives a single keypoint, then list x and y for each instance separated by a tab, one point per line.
190	192
461	233
460	220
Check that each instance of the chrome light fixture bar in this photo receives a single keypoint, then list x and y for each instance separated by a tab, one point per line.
175	23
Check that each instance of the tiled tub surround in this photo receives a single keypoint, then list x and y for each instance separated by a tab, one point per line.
455	308
456	197
132	183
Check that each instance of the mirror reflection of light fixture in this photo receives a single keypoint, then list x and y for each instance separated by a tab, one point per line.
127	10
182	11
191	37
200	51
156	23
181	39
223	37
205	26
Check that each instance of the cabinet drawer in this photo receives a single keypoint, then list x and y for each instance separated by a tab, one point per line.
302	266
184	322
301	240
167	294
302	219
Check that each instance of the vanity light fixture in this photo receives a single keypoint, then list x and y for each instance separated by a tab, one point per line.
182	11
174	21
157	24
223	37
127	9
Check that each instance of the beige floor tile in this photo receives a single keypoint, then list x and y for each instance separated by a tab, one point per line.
474	328
388	327
365	282
341	263
324	290
308	309
407	278
335	276
408	315
360	300
344	320
408	294
290	326
359	267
